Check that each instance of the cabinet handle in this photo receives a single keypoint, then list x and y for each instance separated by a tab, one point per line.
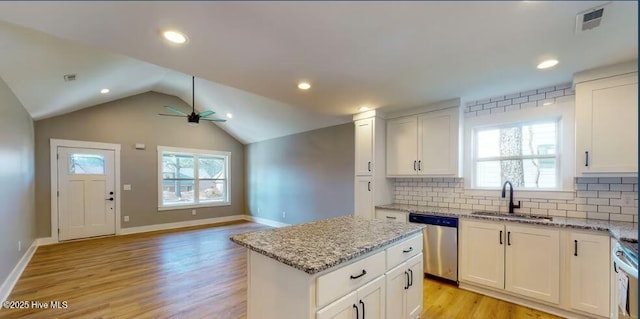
369	166
362	303
586	158
391	217
411	276
407	285
408	250
369	186
414	165
419	165
575	247
356	307
508	238
500	237
364	272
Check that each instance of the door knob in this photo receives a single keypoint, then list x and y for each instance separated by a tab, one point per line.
110	198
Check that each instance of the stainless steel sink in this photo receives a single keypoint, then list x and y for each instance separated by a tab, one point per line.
514	216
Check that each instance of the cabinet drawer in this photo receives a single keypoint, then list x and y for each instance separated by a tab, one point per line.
391	215
338	283
403	251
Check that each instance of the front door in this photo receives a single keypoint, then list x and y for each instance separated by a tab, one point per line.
86	199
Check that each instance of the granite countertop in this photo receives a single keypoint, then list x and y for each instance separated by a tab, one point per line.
317	246
623	231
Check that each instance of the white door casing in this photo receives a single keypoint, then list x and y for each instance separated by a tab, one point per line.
80	205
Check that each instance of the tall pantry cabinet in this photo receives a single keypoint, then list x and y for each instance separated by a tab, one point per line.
371	185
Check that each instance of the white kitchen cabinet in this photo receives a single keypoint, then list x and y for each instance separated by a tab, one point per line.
366	302
482	253
523	260
363	204
426	144
589	259
402	150
364	147
404	289
392	215
607	125
532	262
370	182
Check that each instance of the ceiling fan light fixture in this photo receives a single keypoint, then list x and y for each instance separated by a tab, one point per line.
175	36
229	115
104	91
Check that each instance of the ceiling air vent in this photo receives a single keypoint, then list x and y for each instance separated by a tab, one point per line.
69	77
590	19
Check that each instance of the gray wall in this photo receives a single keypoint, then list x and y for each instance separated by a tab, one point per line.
307	175
134	120
17	212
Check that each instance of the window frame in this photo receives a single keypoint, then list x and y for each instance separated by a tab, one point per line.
562	111
196	153
556	120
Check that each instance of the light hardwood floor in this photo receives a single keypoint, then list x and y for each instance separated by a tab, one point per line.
193	272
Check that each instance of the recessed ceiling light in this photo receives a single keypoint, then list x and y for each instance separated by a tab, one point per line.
104	91
229	115
364	108
175	36
547	64
304	86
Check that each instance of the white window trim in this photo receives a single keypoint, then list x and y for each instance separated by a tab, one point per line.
193	151
566	146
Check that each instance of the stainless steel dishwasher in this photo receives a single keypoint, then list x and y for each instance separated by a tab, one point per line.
440	245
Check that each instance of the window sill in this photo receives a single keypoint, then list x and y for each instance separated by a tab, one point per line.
191	206
541	194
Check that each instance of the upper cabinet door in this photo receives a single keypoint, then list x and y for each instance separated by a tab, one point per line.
364	147
438	142
607	125
402	143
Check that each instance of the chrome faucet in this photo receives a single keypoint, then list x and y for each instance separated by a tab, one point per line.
511	205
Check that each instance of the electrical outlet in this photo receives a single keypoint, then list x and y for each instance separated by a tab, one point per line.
193	212
127	187
19	245
126	218
284	214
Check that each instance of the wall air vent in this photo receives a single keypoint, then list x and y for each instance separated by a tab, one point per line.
591	18
69	77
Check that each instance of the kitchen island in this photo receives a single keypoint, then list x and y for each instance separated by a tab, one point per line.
333	268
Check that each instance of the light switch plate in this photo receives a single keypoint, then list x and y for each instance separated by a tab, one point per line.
127	187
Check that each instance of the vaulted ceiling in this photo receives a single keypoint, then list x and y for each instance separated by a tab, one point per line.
249	56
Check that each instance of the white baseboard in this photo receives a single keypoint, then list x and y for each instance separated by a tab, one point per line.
265	221
10	282
188	223
46	241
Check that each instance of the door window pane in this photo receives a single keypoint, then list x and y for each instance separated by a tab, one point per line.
89	164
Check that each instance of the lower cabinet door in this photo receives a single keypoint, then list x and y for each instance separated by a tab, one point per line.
397	282
371	299
343	308
482	253
414	290
589	260
532	262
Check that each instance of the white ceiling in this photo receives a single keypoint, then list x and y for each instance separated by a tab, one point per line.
250	55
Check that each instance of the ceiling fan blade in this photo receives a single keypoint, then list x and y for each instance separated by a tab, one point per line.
206	113
173	109
213	120
171	115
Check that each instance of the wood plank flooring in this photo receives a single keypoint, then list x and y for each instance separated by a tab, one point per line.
193	272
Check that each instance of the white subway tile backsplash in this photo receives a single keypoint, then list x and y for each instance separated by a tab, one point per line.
621	187
586	180
520	100
547	89
621	218
603	194
610	180
630	180
598	187
603	216
609	209
598	201
504	103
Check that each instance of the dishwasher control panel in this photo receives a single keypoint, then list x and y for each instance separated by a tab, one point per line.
433	220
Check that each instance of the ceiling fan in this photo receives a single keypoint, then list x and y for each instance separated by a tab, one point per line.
193	118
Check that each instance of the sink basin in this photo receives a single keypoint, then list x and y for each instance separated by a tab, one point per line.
514	216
